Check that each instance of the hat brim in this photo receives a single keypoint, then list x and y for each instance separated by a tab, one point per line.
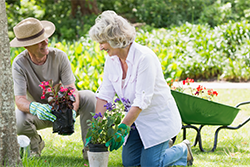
49	29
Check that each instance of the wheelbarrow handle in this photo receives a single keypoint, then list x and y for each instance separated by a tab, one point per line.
242	103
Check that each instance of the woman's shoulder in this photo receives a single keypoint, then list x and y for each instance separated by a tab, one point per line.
142	51
142	48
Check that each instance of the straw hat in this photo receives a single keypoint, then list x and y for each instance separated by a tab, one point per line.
31	31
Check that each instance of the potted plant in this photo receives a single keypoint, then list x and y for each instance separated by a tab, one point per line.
102	128
61	99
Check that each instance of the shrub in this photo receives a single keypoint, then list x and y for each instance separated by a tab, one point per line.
194	51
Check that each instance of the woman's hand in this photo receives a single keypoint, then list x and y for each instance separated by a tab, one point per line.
117	141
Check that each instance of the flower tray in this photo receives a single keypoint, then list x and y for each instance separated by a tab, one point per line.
196	110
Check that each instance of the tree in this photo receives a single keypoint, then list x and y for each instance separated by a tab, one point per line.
86	7
9	148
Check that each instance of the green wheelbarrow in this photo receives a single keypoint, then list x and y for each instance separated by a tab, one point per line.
198	111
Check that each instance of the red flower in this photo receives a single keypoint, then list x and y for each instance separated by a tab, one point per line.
187	81
42	86
211	92
43	97
62	89
200	88
215	93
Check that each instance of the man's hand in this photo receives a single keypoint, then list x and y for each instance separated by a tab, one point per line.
43	111
114	145
74	114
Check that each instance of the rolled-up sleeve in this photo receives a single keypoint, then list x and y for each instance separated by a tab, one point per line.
145	82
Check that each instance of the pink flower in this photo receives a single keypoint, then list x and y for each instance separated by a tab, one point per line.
63	89
43	97
42	86
49	90
46	83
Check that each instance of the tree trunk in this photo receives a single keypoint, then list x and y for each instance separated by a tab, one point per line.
86	7
9	148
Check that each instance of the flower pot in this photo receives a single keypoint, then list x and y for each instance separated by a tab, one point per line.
24	145
98	155
64	123
196	110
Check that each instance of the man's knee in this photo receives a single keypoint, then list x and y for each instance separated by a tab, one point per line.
87	101
24	123
87	95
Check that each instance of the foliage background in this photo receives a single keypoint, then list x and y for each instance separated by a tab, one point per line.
200	39
193	38
155	13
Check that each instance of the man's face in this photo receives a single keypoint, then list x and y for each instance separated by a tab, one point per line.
39	50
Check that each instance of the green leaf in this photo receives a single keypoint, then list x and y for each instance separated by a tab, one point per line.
110	132
57	87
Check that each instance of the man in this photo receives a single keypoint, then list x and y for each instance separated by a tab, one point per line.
36	64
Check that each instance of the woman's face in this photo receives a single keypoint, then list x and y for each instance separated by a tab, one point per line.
111	51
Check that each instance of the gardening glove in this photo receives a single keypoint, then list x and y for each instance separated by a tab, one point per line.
88	141
116	145
43	111
74	114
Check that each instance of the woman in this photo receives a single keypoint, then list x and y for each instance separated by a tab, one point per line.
133	72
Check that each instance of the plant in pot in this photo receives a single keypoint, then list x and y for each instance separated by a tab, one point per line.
103	128
61	99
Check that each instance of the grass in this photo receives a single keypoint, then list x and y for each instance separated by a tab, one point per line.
233	147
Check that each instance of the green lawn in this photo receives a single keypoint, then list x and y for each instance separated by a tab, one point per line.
233	148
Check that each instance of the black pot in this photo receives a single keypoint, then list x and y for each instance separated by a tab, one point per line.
64	123
97	147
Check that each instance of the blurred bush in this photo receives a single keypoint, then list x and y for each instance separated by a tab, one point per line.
59	13
194	51
155	13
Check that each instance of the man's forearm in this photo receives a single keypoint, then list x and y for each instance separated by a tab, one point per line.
76	103
22	103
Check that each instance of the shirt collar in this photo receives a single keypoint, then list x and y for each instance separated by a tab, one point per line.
131	55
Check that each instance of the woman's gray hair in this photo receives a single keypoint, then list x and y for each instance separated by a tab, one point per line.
114	29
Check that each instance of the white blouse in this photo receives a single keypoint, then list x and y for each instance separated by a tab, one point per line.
147	89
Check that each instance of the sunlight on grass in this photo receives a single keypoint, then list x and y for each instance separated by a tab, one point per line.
233	147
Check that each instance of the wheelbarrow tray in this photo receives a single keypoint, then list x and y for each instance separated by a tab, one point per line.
196	110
